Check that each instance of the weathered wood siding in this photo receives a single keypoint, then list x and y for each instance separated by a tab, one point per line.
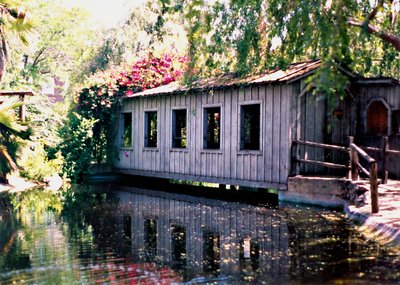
315	121
268	167
390	95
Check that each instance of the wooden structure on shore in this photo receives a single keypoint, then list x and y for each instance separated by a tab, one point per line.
21	96
243	132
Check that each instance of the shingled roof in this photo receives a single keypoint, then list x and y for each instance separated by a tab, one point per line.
293	72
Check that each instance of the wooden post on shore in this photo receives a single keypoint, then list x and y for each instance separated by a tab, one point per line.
297	157
22	108
354	173
385	148
349	175
373	181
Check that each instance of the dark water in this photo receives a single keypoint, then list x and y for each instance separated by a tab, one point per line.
87	236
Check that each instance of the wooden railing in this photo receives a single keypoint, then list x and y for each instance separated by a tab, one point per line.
371	173
353	168
385	151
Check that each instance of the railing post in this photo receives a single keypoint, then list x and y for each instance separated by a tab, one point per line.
385	148
353	175
349	175
22	108
373	181
296	157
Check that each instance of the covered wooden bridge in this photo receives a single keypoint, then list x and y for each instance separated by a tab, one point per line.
244	131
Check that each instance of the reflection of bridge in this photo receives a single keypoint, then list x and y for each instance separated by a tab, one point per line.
205	235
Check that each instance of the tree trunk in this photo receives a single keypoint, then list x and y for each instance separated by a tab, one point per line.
3	57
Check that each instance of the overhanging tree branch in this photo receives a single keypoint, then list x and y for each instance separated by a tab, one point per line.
373	30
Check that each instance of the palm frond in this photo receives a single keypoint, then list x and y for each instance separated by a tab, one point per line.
8	120
7	157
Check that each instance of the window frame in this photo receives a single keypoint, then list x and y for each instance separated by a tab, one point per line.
173	128
204	122
239	128
241	149
146	129
122	124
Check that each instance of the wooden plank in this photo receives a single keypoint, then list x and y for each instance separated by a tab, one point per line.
322	145
215	160
374	187
362	153
302	128
141	133
234	133
228	127
365	171
319	121
276	133
163	117
324	164
168	161
241	94
239	166
248	93
310	130
268	123
284	148
260	159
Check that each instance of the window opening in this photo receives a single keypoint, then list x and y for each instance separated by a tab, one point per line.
211	252
249	257
212	128
250	127
127	130
150	129
178	242
127	222
179	129
150	239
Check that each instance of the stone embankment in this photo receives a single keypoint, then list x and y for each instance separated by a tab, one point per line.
383	226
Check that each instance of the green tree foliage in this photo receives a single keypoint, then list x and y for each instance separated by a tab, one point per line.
12	22
249	36
77	146
143	32
59	42
57	46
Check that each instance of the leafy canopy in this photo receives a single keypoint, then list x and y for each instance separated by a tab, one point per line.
249	36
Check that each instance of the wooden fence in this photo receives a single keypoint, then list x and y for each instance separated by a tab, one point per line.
354	167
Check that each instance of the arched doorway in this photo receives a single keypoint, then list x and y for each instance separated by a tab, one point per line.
377	119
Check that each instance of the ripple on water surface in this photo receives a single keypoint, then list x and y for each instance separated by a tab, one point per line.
138	236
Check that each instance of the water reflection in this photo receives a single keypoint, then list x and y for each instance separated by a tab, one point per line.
139	236
205	237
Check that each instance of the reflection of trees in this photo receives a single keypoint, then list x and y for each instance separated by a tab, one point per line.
31	206
25	234
65	238
83	208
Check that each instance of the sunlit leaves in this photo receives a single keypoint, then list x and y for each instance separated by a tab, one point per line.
248	36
